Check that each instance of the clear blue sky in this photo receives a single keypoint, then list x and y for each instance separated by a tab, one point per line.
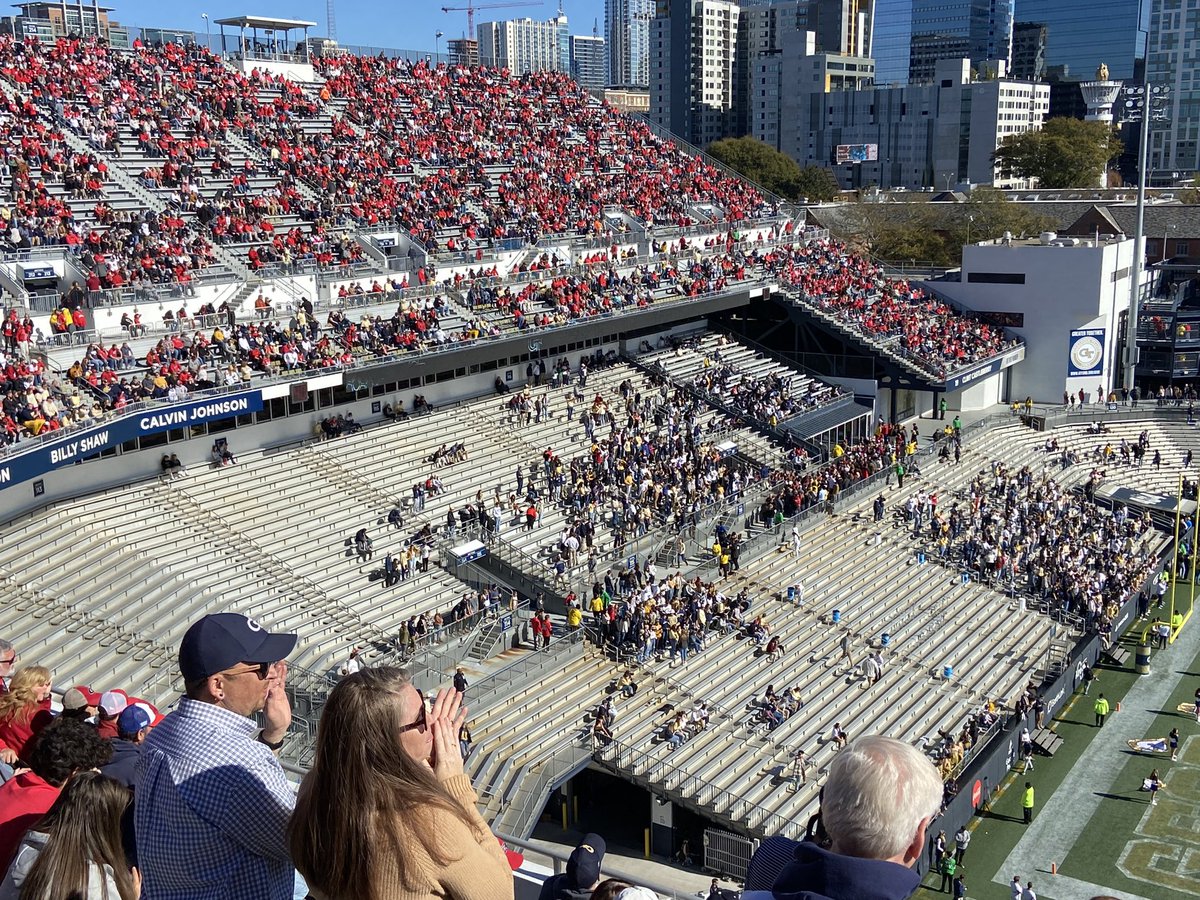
404	25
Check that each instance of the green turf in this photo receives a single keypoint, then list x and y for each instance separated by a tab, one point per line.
996	833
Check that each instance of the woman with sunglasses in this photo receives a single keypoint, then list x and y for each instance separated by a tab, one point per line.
387	812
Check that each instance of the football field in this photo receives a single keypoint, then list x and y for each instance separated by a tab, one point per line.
1092	821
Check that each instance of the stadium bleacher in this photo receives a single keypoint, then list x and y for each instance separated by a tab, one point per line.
523	193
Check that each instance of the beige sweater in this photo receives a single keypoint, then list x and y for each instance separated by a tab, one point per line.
481	871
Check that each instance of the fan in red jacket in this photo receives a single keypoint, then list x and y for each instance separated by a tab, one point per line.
66	746
24	712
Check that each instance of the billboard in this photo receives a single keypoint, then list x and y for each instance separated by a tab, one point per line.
1086	354
856	153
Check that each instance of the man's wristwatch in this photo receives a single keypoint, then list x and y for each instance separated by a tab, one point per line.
268	744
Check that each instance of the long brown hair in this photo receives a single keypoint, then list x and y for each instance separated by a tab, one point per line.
366	800
84	829
20	702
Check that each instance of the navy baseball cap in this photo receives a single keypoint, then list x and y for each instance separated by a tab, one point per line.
221	640
583	865
133	720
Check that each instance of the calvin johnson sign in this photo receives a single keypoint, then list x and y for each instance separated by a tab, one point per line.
82	444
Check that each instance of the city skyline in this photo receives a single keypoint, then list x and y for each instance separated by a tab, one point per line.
359	24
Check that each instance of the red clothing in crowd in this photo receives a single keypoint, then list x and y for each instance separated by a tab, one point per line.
24	800
17	733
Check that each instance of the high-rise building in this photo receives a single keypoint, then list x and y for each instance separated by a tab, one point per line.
627	41
1029	51
694	68
587	61
1080	36
891	39
525	45
842	26
979	30
915	136
910	36
1171	61
796	64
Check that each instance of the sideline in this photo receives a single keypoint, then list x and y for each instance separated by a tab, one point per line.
1071	808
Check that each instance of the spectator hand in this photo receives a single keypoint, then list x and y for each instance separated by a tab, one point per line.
8	756
446	717
277	711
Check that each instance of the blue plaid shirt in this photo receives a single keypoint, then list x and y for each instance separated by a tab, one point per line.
211	810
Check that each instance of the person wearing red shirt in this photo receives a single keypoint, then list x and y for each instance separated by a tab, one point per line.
65	747
24	712
112	704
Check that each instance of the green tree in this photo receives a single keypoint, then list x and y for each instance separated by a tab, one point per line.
1065	153
817	184
988	214
775	171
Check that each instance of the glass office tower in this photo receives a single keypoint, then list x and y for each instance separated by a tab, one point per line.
1081	35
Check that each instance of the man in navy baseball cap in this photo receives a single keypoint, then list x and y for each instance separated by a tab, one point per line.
211	803
220	640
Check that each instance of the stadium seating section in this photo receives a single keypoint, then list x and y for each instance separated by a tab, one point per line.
261	175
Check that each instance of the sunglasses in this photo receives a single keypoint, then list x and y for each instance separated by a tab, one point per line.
263	670
420	721
8	662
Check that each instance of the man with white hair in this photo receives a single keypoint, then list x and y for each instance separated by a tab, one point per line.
877	803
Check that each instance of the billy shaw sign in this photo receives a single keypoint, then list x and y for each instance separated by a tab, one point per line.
82	444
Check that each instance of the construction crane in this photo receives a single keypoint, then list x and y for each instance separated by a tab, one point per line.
471	7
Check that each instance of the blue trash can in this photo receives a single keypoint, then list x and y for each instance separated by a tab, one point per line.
966	577
791	593
948	672
837	616
920	557
885	639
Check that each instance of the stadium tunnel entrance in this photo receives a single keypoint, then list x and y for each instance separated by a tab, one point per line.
597	801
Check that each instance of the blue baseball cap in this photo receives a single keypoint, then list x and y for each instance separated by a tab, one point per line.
220	640
132	720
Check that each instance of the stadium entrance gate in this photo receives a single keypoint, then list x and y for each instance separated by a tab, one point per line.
728	853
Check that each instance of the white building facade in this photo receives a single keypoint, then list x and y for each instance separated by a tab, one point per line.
1065	299
525	45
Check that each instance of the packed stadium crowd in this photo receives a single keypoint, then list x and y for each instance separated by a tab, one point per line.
1020	529
557	157
855	289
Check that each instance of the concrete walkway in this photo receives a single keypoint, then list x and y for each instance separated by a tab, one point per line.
1060	824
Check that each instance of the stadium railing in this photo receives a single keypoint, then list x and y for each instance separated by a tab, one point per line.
558	862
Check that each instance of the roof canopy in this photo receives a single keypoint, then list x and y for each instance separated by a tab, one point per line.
265	23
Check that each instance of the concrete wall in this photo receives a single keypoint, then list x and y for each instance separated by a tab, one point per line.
1064	288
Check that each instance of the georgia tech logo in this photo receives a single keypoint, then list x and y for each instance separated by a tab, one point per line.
253	625
1086	352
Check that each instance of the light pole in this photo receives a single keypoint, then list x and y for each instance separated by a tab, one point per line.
1164	246
208	29
970	219
437	47
1146	103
